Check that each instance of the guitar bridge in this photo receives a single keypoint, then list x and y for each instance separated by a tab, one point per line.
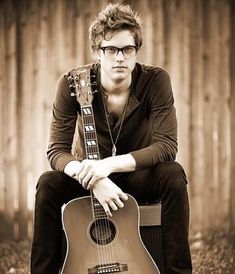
108	268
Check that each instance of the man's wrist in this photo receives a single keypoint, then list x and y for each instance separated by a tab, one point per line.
120	163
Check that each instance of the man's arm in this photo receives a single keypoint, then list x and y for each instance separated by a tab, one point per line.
164	124
88	172
62	126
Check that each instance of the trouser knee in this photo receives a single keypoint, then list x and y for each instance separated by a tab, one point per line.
50	183
172	177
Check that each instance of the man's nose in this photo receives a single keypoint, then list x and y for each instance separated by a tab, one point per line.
120	56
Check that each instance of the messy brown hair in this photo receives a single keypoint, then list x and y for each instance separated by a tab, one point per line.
111	20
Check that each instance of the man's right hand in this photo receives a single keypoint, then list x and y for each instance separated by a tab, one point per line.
72	168
109	195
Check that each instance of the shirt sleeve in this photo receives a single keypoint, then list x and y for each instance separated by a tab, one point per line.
164	125
62	128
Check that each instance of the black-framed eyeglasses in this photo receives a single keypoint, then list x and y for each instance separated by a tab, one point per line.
127	51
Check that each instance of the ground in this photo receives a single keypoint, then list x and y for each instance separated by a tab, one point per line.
212	253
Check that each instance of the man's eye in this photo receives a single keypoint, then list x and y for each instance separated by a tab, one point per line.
129	49
111	50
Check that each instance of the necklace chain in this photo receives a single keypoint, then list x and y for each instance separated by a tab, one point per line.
114	148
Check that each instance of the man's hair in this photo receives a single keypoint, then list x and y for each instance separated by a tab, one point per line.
113	19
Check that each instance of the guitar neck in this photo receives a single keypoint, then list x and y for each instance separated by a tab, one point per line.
90	136
92	152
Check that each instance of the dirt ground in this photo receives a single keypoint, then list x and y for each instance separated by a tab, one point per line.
212	253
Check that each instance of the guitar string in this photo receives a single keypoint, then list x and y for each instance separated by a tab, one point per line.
106	255
96	235
99	230
97	225
93	207
106	230
99	250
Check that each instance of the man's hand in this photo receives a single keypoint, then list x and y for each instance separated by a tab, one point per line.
72	168
91	171
109	195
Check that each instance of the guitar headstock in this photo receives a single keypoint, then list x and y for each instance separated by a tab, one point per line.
80	82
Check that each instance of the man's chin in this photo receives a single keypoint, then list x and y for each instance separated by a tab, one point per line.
119	78
120	74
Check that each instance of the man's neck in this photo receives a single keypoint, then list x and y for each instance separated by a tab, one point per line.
115	87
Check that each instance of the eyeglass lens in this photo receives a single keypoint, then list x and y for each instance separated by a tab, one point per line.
127	51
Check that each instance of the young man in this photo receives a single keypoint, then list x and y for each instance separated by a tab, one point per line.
135	119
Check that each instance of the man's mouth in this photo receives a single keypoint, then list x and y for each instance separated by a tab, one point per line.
119	67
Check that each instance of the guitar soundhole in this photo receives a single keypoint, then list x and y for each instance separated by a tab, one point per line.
102	231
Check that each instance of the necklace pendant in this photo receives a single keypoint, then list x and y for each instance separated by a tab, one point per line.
114	150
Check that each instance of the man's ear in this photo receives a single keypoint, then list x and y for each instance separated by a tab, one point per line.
96	55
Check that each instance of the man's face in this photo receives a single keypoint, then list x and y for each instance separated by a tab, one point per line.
117	64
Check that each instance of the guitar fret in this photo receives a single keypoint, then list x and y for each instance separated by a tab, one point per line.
89	128
99	212
93	156
91	142
86	110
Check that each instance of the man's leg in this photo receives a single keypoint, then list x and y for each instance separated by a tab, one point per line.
54	188
167	182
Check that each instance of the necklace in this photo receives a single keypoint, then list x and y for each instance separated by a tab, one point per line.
114	148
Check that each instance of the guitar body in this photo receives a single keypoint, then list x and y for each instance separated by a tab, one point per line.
104	246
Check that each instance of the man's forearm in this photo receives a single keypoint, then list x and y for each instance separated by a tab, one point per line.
121	163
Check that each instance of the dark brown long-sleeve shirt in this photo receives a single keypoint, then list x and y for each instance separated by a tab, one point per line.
149	130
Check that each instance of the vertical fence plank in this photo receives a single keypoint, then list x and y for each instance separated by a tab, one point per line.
156	7
9	118
2	87
232	69
178	59
197	148
224	117
208	111
24	121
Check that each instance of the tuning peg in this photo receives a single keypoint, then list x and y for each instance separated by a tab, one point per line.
71	86
94	91
73	94
94	83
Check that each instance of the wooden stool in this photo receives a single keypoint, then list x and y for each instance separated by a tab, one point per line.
150	231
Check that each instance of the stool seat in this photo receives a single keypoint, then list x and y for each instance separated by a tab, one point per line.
150	214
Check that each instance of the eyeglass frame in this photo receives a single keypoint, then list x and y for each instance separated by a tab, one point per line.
119	49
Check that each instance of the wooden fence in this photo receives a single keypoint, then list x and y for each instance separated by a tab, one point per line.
40	40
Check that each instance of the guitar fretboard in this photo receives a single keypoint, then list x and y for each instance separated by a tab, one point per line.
92	152
90	136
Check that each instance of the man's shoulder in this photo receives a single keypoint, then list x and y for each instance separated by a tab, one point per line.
147	74
150	69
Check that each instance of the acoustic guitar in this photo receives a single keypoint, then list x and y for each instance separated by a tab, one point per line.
96	243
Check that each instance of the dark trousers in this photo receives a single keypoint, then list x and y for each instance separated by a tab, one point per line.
166	182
